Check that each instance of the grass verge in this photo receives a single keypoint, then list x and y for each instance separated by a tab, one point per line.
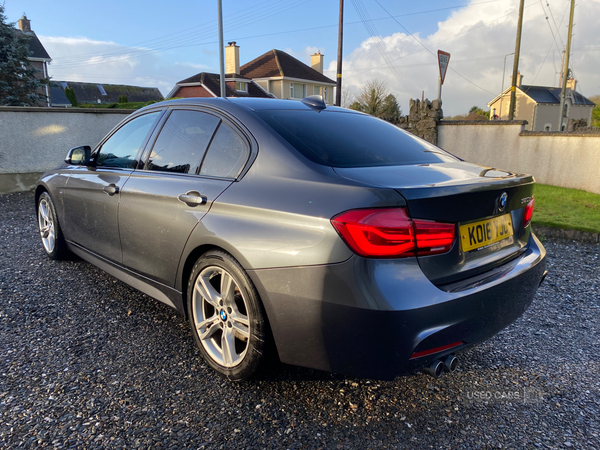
570	209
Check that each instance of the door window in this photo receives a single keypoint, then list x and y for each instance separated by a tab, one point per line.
182	142
121	149
226	155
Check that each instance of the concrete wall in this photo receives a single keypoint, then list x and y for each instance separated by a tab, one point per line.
33	140
569	160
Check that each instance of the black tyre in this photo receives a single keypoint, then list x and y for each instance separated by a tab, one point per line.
227	317
53	241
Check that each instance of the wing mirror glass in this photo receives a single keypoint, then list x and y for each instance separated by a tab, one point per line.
79	156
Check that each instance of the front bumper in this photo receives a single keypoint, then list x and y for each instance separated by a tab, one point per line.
366	317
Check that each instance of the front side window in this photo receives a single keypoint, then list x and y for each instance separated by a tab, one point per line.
227	154
182	142
121	149
297	90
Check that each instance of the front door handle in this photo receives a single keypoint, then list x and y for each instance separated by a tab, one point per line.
192	198
111	189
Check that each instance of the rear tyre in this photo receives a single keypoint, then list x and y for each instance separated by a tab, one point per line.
227	317
53	241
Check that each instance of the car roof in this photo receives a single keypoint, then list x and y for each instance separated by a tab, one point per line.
255	104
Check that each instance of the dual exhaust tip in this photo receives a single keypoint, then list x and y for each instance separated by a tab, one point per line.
436	368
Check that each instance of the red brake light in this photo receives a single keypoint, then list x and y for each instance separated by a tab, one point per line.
528	212
391	233
433	237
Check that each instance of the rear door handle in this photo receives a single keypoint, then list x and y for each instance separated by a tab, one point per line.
192	198
111	189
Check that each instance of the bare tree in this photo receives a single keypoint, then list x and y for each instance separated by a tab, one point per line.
375	98
347	98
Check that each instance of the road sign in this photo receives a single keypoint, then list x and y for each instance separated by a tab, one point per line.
443	60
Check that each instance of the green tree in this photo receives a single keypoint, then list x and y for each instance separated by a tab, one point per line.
595	111
375	99
70	94
18	84
480	112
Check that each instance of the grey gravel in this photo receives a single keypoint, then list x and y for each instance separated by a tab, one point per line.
87	362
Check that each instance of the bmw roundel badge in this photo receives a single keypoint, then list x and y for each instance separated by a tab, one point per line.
503	201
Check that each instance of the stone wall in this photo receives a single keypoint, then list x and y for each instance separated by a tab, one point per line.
423	119
570	160
33	140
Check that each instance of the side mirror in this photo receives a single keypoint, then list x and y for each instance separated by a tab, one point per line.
79	156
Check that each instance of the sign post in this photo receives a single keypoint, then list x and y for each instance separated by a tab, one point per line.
443	60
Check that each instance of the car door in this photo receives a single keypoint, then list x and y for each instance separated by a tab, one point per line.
162	203
91	194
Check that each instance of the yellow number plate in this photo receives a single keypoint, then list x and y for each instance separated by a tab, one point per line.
486	232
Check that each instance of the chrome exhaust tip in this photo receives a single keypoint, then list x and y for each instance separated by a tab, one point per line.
435	369
450	363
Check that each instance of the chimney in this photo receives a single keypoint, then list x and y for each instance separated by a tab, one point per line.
25	24
519	79
571	83
316	62
232	58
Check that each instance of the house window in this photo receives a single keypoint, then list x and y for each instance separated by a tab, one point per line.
101	89
297	90
316	90
566	110
325	93
241	86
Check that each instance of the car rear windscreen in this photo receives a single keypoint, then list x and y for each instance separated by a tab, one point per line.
344	139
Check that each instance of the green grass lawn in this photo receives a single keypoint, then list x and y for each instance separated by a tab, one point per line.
566	208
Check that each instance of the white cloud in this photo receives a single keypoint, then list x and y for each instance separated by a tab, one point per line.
86	60
478	37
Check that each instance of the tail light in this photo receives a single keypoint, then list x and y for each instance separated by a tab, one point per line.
391	233
528	212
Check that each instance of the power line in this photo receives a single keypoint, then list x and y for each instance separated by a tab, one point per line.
553	37
173	43
186	38
372	31
437	43
429	50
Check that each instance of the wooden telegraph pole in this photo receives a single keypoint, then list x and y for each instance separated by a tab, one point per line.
513	88
338	88
566	68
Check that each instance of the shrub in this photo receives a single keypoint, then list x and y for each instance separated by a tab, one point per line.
70	93
123	99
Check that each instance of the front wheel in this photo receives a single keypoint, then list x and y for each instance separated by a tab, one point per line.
227	317
52	239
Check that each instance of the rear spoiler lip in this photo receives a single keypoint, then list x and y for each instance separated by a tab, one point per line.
476	185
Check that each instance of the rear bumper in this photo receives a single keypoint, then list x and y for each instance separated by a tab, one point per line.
366	317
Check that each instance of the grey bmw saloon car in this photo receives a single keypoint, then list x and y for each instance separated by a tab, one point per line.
314	235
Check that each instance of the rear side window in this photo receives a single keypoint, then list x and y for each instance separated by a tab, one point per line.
182	142
121	149
340	139
227	154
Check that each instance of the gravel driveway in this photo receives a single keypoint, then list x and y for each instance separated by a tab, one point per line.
87	362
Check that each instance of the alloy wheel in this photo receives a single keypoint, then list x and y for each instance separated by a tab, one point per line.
46	225
220	314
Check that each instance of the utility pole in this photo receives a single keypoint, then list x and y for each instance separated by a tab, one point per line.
221	50
566	68
502	91
338	88
513	88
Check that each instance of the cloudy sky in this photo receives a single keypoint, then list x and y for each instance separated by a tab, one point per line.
152	43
